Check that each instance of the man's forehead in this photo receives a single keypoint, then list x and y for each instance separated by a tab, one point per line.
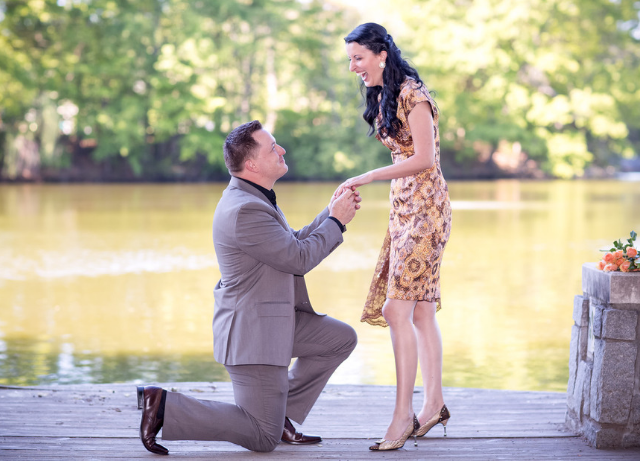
263	137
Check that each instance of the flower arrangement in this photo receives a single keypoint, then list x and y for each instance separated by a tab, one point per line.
622	257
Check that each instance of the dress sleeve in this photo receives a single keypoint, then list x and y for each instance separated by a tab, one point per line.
412	94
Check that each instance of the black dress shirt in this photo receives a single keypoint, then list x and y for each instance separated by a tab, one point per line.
271	196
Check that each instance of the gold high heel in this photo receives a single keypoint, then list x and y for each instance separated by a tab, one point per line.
385	445
441	417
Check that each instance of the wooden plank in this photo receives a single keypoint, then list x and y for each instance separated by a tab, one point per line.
112	411
342	449
102	421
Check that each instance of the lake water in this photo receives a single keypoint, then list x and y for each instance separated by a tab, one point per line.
113	283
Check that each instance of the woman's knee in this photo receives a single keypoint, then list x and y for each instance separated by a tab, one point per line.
396	313
424	312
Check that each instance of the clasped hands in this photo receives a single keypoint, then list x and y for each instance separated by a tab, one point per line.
346	199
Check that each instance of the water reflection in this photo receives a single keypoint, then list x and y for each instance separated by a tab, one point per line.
111	283
26	362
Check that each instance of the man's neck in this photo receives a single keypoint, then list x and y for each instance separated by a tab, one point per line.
256	179
268	193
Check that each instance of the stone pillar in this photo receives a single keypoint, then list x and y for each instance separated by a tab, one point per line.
603	395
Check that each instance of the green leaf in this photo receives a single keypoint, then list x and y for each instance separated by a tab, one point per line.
633	235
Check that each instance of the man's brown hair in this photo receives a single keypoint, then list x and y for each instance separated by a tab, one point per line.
240	145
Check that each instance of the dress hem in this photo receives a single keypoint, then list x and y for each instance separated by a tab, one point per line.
379	321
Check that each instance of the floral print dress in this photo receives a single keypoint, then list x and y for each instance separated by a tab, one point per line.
408	267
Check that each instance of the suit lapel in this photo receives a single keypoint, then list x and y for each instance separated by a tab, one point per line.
246	187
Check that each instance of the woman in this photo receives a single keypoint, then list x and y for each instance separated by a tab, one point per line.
405	292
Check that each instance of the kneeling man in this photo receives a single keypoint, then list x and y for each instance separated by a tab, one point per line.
262	315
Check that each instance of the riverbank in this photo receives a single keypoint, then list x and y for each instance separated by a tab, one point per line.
74	422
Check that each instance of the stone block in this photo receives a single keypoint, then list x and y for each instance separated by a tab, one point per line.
601	435
596	283
584	343
625	288
635	410
608	437
596	320
582	386
612	381
611	287
573	358
632	438
586	388
571	421
581	310
619	324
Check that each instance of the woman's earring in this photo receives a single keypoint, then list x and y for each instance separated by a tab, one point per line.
382	64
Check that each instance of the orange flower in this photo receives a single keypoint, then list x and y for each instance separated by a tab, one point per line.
610	268
618	254
609	257
600	265
624	267
632	252
619	261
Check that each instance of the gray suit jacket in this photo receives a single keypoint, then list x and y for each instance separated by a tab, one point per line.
262	262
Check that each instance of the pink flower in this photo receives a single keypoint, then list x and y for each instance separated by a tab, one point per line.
632	252
610	268
619	261
609	257
600	265
624	267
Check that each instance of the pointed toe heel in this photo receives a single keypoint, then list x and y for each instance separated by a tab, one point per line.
386	445
442	417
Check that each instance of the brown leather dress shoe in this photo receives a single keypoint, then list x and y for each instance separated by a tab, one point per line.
289	435
149	399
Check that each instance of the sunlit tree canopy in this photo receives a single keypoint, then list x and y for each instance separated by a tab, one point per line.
115	89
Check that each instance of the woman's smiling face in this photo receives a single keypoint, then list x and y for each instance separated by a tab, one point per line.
366	63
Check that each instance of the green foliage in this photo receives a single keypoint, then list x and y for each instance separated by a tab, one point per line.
157	84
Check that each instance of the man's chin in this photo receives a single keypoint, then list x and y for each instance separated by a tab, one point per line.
284	170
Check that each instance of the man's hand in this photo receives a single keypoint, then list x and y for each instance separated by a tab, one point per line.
355	182
343	206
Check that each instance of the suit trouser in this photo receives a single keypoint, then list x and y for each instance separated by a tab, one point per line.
265	394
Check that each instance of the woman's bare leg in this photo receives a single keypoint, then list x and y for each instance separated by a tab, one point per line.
430	355
398	315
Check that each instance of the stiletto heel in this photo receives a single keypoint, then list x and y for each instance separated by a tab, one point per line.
386	445
439	418
140	391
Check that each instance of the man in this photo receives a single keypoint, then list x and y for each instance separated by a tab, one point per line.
262	316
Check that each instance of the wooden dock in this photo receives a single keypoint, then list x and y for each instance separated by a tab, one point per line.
95	422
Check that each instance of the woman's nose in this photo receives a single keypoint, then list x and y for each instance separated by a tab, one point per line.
351	66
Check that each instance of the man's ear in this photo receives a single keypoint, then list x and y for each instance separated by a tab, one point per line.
250	165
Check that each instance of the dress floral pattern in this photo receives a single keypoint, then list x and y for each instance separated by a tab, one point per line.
408	267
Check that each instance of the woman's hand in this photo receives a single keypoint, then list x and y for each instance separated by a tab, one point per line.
355	182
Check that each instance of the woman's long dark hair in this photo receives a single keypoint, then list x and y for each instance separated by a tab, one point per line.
375	38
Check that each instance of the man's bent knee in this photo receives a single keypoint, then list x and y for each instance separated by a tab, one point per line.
265	444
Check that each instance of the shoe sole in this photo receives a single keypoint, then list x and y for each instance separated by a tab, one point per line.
140	391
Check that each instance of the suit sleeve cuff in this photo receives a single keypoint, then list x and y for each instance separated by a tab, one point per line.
343	228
